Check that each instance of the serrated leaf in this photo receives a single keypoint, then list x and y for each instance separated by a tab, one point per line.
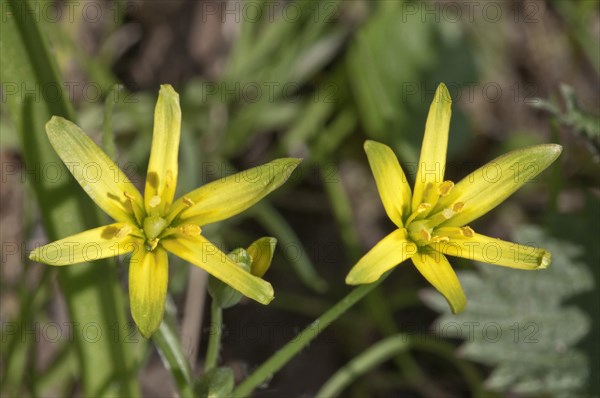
517	322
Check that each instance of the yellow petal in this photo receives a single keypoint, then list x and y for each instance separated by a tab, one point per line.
491	184
202	253
99	176
261	253
148	279
495	251
389	252
437	270
435	143
233	194
390	179
161	179
94	244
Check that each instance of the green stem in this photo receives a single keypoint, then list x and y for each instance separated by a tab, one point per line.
376	304
447	351
285	354
169	348
214	340
370	358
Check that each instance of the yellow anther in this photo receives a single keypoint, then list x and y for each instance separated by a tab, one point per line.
467	231
448	213
169	180
190	229
154	201
438	239
153	243
123	232
423	207
458	206
129	196
425	235
445	187
188	202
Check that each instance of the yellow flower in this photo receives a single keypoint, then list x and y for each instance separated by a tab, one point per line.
432	220
150	226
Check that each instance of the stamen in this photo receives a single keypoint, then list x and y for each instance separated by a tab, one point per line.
422	208
445	188
154	201
438	239
442	216
458	206
190	229
153	243
454	233
425	235
448	213
467	231
188	202
169	180
138	212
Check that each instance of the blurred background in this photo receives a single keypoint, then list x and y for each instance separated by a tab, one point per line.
265	79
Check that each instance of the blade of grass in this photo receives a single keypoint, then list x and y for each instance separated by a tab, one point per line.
166	339
277	226
291	349
94	298
372	357
108	138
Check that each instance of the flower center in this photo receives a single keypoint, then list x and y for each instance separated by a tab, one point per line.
153	227
420	232
422	224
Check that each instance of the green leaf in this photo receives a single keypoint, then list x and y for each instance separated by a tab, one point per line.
167	342
584	123
217	382
94	299
518	323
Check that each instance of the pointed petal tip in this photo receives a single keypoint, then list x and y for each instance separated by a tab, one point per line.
545	260
54	119
370	144
556	148
54	124
442	93
296	161
167	89
457	308
290	163
551	150
267	296
353	279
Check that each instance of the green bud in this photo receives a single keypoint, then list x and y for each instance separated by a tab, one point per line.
224	295
261	254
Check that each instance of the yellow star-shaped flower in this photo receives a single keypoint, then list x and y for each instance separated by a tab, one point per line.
432	220
150	226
